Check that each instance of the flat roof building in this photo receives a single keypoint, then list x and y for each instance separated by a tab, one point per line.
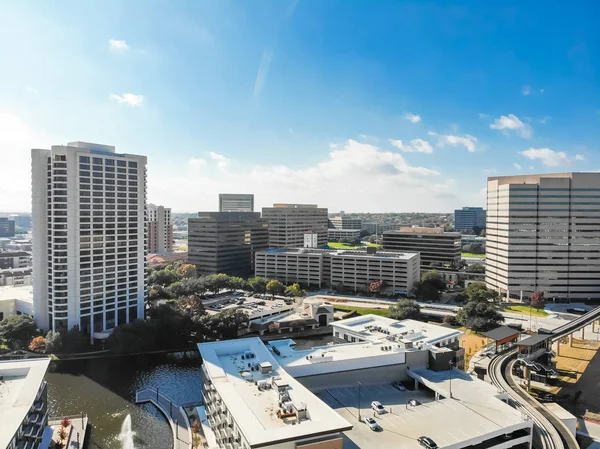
225	242
352	269
289	222
236	202
337	235
543	233
160	229
252	402
7	227
345	222
469	219
436	247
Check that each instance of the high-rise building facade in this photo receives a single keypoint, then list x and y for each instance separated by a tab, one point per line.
436	247
225	242
543	233
289	222
7	227
89	242
236	202
469	219
160	229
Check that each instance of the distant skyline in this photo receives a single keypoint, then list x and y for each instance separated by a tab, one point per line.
389	106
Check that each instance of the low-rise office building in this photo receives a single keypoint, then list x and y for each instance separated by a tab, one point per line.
16	276
15	259
437	248
337	235
23	404
379	228
350	269
288	223
252	402
469	219
345	222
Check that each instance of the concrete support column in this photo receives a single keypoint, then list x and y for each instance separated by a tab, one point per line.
571	340
583	333
437	396
558	347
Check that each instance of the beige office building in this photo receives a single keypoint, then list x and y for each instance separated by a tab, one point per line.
345	222
335	235
435	246
352	269
289	222
160	229
543	233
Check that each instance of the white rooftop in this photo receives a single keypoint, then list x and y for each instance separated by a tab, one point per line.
22	292
18	389
254	410
378	328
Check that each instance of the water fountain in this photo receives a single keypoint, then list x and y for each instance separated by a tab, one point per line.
126	435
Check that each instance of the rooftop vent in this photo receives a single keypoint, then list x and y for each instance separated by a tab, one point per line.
265	367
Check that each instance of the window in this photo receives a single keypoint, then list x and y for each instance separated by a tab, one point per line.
96	160
132	164
84	159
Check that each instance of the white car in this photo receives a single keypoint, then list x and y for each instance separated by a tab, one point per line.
377	407
399	386
372	424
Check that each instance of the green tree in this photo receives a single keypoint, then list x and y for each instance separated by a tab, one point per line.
429	288
18	330
478	292
53	342
274	287
192	306
229	323
137	336
479	316
217	282
238	283
294	290
74	340
258	284
163	277
405	309
475	268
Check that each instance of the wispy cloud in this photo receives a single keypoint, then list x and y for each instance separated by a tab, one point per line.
544	120
368	137
551	158
117	45
511	122
517	166
415	146
413	118
526	90
30	89
222	161
483	116
263	70
468	141
132	100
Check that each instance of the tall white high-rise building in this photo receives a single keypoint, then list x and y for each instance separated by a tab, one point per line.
89	242
543	233
160	229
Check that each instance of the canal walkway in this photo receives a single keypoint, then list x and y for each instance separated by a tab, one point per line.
175	414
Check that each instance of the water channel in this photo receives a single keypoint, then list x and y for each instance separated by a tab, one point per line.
105	389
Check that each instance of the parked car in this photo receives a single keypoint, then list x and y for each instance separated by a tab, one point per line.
372	424
377	407
399	385
414	402
427	442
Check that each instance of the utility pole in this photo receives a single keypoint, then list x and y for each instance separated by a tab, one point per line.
359	384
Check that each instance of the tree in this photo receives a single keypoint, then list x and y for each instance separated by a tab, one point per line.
376	287
478	292
229	323
537	299
134	337
187	270
53	342
405	309
38	344
163	277
238	283
479	316
475	268
294	290
274	287
258	284
428	289
18	330
451	320
217	282
74	340
434	278
193	307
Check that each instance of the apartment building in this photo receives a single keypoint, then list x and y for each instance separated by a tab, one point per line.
469	219
345	222
350	269
7	227
252	402
24	404
543	233
89	225
436	247
337	235
16	276
160	229
236	202
225	242
289	222
14	259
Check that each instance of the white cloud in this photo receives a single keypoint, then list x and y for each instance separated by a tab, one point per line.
415	146
512	123
263	70
368	137
30	89
551	158
413	118
468	141
222	161
544	120
117	45
483	116
541	91
517	166
129	99
526	90
196	163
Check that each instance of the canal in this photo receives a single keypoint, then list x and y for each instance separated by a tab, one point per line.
105	389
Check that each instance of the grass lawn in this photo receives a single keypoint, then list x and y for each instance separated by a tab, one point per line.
361	310
481	256
376	245
338	245
525	310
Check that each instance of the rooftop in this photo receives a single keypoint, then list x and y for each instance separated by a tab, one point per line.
18	390
378	328
534	340
14	254
350	253
419	230
502	332
255	409
22	292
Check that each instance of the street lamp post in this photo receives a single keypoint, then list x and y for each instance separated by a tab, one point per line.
359	384
451	365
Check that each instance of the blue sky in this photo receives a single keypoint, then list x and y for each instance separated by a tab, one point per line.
363	106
